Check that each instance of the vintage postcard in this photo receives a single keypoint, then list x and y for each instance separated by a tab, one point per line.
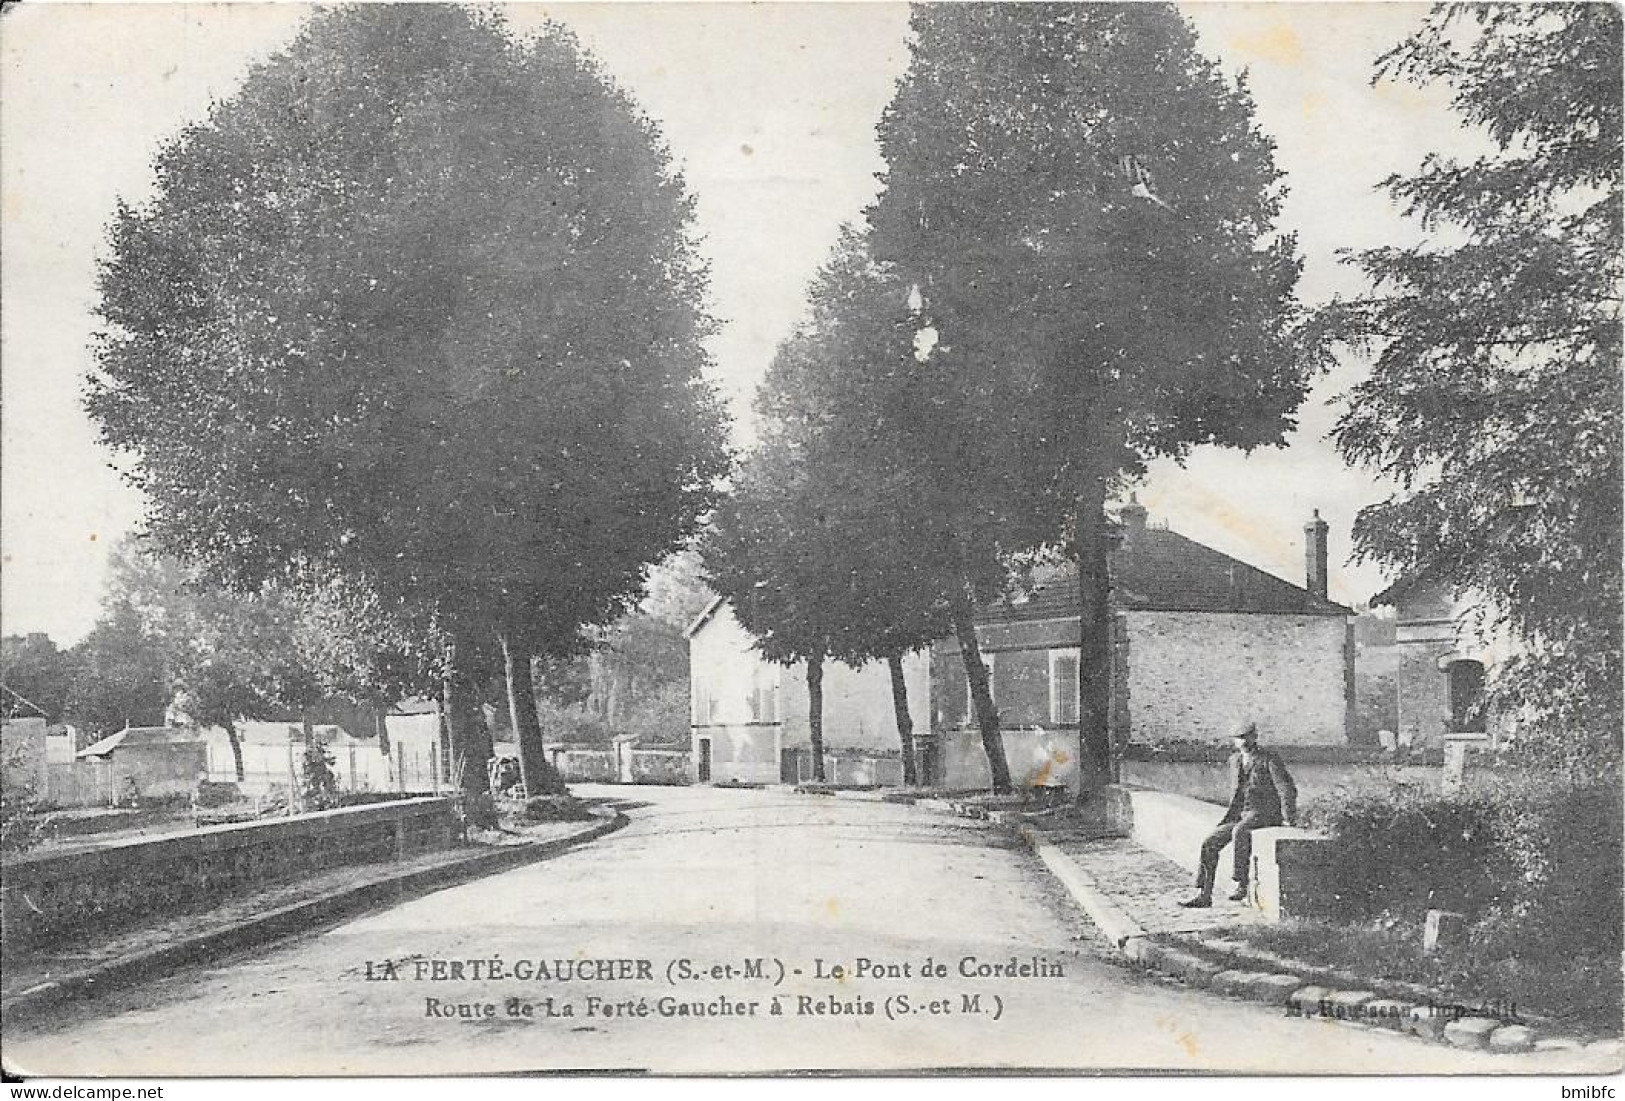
811	538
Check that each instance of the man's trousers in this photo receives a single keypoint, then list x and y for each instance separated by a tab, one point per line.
1238	834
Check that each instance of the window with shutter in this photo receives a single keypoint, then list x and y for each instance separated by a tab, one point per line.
1063	686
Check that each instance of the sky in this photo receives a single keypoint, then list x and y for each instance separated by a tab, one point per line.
770	110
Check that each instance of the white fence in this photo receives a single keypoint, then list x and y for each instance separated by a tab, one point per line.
408	768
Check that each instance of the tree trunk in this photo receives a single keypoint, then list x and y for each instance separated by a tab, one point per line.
815	713
307	731
448	736
905	723
470	758
236	748
970	653
539	776
1094	640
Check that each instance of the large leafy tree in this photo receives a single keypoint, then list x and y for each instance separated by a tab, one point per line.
1087	210
37	676
418	307
773	554
893	563
219	656
121	676
1494	395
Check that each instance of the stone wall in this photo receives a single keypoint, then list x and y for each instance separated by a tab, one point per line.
852	769
586	766
1210	780
356	767
1294	872
1037	757
73	895
662	766
1193	675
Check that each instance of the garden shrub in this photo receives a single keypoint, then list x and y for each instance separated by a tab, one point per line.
1535	865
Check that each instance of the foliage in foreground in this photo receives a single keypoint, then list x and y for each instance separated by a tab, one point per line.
1495	397
1534	864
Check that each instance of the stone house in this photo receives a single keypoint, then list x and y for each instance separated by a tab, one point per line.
748	716
1441	662
1201	641
149	762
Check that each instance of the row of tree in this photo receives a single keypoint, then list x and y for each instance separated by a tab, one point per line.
1074	268
167	642
416	317
412	335
169	647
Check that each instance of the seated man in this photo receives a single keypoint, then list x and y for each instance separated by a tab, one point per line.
1262	795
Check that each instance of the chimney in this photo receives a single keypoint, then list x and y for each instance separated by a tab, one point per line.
1314	555
1132	516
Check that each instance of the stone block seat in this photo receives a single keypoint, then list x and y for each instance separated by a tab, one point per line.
1294	871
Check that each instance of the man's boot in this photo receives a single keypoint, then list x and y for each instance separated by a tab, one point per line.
1201	900
1239	894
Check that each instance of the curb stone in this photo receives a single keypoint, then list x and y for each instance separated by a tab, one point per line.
1190	968
1273	989
1236	983
1424	1024
1111	918
1306	999
1512	1038
1471	1032
294	918
1284	986
1348	1003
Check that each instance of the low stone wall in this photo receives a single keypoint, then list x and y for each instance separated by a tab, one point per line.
1210	780
662	766
585	766
851	771
1168	824
1293	871
1038	757
62	897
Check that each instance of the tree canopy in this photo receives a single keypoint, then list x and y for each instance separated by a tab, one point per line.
37	676
1084	210
418	307
1495	389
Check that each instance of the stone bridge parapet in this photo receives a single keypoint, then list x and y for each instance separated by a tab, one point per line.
65	896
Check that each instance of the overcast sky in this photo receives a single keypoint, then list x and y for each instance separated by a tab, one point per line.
770	108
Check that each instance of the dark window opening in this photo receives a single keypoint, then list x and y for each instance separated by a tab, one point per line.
1466	697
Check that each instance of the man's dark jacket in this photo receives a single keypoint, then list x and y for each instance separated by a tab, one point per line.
1264	790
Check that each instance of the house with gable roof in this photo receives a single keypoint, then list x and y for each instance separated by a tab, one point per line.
1201	641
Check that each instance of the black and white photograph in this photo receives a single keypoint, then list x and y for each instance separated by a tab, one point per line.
711	539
